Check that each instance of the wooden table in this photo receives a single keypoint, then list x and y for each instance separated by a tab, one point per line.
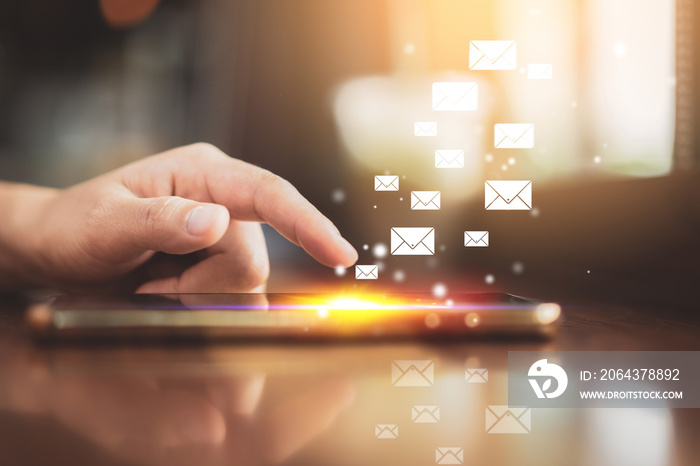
318	404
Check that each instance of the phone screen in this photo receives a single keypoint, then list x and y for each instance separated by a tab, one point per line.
291	316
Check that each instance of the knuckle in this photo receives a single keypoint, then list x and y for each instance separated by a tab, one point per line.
204	150
275	182
156	214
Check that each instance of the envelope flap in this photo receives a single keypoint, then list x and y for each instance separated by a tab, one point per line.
497	411
386	180
412	237
453	90
518	411
426	197
500	411
514	130
476	236
405	365
442	90
493	50
449	450
508	189
425	409
367	268
449	155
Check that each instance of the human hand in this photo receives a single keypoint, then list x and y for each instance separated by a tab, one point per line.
186	220
151	408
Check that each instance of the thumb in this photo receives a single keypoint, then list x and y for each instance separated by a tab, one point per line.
170	224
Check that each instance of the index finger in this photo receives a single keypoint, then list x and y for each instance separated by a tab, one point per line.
203	173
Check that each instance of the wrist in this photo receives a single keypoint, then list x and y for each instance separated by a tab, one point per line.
22	208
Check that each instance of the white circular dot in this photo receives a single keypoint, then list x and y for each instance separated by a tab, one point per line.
409	48
375	206
403	177
340	271
574	103
380	250
511	161
535	212
449	302
620	49
504	167
365	247
439	290
338	196
518	268
399	275
471	319
443	247
596	159
401	199
588	271
488	157
489	279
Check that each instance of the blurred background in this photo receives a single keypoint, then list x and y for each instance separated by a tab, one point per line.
325	94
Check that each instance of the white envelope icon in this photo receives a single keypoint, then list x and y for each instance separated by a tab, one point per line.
386	431
449	455
508	194
425	414
425	128
455	96
412	373
492	55
476	239
449	158
413	241
425	200
386	183
476	375
514	136
366	272
508	420
539	71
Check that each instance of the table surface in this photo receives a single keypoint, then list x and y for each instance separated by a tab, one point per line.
316	404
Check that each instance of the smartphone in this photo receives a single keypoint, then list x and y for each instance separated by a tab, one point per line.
285	316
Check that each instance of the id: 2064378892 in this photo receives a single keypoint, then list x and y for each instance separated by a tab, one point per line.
631	374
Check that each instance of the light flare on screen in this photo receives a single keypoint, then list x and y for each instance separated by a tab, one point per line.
359	308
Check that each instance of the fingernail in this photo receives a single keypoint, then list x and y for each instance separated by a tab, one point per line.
201	219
